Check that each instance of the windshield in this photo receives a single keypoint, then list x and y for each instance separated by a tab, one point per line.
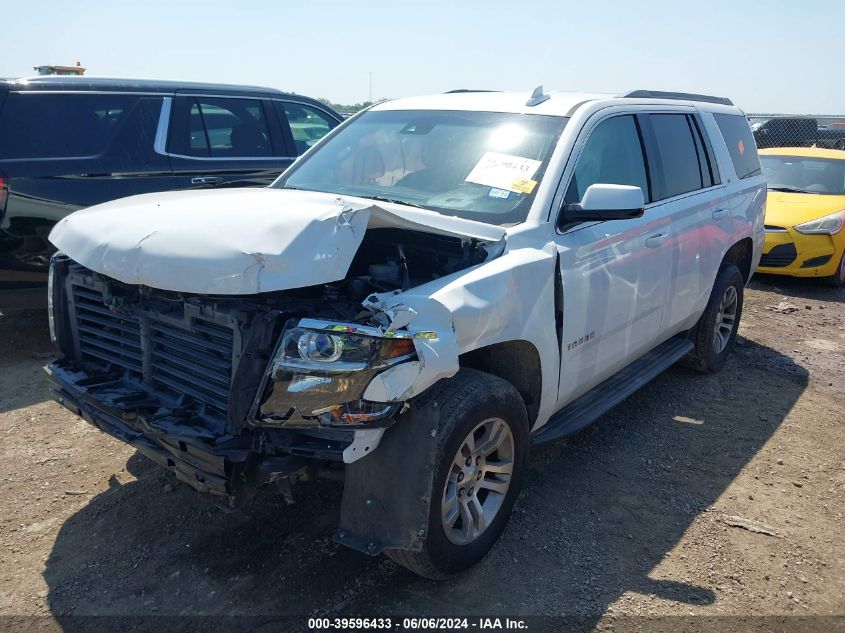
804	175
482	166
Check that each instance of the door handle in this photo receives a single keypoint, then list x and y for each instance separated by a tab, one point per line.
718	214
206	180
656	240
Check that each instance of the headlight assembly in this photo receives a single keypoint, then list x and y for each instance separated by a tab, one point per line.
322	369
827	225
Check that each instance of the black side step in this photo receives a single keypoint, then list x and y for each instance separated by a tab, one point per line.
602	398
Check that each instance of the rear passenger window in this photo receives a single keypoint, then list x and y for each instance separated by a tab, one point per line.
219	128
308	125
612	155
706	159
740	141
680	170
61	125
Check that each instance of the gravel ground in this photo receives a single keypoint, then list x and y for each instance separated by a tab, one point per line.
715	495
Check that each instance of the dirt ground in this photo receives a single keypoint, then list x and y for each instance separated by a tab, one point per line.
642	514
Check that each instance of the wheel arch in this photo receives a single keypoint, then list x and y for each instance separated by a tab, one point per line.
516	361
740	254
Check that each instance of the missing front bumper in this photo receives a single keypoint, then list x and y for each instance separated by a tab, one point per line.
227	469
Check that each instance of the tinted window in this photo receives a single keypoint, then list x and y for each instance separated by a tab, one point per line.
308	125
219	127
61	125
612	155
680	170
740	142
707	163
197	136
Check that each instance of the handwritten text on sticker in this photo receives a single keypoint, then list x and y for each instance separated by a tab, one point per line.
504	171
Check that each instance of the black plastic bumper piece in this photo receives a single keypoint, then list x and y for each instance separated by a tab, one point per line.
387	494
227	469
780	256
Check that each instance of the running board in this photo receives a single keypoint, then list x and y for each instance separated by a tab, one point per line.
601	399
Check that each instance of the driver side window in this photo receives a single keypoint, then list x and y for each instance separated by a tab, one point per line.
613	154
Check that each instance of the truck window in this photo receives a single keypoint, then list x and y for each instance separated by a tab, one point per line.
219	128
743	150
308	125
30	127
613	154
680	169
706	159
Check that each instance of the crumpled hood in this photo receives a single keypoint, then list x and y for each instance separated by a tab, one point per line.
237	241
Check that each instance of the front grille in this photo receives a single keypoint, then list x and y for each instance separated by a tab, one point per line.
188	358
196	362
104	335
771	228
780	256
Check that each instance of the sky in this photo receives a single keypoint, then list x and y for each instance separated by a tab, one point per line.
776	56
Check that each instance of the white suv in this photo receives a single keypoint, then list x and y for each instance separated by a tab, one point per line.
436	285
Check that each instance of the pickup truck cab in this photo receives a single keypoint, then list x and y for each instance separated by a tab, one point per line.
437	284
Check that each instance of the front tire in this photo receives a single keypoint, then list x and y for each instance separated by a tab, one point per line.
714	335
480	464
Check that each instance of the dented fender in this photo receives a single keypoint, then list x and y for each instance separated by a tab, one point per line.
437	356
509	298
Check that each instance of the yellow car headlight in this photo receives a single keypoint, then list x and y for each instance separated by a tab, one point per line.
827	225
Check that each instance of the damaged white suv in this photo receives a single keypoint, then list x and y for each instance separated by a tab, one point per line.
439	283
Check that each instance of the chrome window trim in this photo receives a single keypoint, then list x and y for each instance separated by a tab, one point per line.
90	92
160	143
219	158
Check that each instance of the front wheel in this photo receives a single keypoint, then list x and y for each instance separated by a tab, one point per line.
714	335
480	464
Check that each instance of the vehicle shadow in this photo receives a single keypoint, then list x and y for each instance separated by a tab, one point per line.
597	515
24	350
809	288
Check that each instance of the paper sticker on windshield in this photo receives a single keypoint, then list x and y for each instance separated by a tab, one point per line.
504	171
498	193
524	185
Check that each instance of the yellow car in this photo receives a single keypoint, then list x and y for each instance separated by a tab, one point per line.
805	213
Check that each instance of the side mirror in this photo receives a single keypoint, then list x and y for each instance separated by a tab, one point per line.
606	202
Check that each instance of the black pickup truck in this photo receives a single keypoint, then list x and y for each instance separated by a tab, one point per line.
71	142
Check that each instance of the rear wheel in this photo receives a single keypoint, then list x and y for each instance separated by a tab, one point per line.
714	335
480	464
838	278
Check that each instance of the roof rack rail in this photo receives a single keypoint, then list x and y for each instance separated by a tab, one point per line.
681	96
459	90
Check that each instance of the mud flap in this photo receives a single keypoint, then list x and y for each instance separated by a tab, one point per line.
386	495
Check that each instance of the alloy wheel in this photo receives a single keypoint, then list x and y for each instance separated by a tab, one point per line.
478	481
725	320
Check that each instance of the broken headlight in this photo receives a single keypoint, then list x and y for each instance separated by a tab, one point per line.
321	370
